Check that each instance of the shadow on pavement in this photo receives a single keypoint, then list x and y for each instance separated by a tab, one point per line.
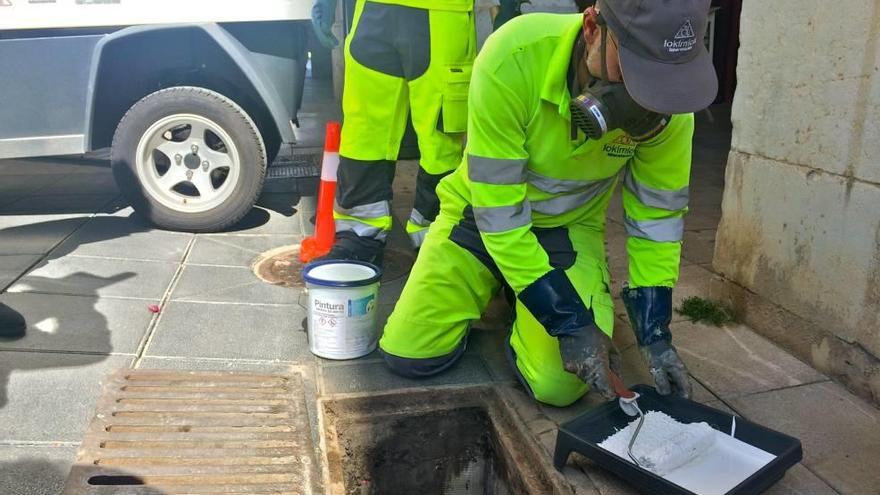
34	476
48	331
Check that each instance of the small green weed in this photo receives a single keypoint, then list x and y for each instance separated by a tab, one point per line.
700	310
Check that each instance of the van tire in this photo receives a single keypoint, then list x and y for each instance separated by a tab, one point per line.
140	150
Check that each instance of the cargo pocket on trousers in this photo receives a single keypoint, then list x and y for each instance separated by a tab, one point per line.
601	302
453	112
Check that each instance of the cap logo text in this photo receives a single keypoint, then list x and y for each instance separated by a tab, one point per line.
684	39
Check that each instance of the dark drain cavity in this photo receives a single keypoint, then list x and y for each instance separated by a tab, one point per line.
451	452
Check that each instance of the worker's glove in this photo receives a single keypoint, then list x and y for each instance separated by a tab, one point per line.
555	303
589	354
650	312
323	15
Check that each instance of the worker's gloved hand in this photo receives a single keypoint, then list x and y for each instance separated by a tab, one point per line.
554	302
323	14
588	354
670	374
650	312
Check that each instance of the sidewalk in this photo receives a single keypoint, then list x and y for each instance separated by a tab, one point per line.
83	269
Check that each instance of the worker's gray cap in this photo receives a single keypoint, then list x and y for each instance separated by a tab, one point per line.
666	67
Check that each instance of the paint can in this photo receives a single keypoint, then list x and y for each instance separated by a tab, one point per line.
342	298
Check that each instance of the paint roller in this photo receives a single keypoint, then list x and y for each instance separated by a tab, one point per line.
660	457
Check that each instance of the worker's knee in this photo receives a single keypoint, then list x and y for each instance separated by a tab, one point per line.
555	395
556	389
421	367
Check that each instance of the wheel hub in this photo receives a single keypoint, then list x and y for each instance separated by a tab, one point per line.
192	161
188	163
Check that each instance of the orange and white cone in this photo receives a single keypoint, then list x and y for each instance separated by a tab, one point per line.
325	228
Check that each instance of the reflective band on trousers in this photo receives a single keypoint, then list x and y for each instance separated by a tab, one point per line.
361	229
502	218
416	218
378	209
672	200
663	230
418	237
496	170
568	202
557	186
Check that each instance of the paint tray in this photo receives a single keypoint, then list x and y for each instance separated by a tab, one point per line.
584	433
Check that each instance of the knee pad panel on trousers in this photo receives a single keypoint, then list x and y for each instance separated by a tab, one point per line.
422	367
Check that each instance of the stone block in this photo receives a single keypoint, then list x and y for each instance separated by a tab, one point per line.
812	246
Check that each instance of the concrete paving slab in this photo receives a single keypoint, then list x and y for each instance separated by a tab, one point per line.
698	246
79	324
491	345
100	182
840	432
693	281
99	277
36	234
635	371
13	266
126	238
200	283
35	470
372	376
734	360
718	404
274	215
49	397
800	481
230	331
307	207
702	217
706	192
16	186
217	364
235	250
48	203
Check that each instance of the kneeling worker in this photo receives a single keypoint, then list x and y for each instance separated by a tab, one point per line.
560	105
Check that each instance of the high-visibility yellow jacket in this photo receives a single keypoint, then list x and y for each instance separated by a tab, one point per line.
457	5
523	168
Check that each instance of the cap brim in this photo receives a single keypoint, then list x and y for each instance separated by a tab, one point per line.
670	88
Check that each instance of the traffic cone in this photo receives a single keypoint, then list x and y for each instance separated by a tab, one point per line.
325	229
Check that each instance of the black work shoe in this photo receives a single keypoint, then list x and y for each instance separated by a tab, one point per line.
350	246
12	324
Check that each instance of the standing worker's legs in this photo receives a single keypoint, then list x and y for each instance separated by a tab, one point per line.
536	353
447	289
438	99
375	103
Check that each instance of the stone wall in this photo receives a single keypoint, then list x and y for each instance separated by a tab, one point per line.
799	240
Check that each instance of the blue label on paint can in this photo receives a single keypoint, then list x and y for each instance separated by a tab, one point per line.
362	306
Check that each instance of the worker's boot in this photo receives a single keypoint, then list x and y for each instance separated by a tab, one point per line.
12	324
350	246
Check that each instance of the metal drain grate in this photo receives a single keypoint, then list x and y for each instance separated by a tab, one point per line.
174	433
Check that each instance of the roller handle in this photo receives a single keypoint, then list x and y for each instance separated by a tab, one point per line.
619	387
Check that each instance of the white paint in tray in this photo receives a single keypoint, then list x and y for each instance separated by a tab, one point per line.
693	456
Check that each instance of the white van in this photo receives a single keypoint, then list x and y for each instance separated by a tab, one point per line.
194	97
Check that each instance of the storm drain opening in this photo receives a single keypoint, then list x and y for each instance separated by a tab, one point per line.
443	442
193	432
